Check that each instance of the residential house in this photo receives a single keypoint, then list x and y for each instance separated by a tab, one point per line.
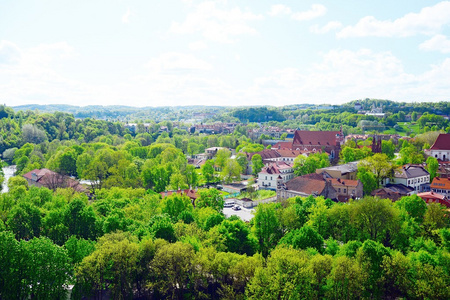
52	180
414	176
393	191
274	155
440	148
347	189
303	186
346	171
272	173
432	197
441	186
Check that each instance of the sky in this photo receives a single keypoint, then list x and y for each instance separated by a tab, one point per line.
228	53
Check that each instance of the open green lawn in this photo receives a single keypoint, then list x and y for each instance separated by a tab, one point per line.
258	195
405	129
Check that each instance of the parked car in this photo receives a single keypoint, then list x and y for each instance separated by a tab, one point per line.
236	207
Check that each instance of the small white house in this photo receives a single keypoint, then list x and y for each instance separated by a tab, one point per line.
272	172
413	176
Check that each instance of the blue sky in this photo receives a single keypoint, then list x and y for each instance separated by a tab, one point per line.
158	53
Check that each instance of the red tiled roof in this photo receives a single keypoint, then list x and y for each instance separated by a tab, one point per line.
307	184
440	183
343	182
431	195
442	142
321	138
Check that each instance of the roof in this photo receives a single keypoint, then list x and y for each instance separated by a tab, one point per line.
392	191
190	193
440	183
410	171
442	142
39	174
431	195
344	169
321	138
343	182
400	188
275	167
307	184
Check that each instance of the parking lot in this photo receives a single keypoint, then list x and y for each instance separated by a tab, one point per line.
245	214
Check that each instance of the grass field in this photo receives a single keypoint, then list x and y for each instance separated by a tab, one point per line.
258	195
405	129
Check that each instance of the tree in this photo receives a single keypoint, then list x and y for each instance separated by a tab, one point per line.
191	176
388	148
237	237
208	171
307	165
33	134
49	268
375	217
231	171
24	220
367	179
266	228
222	156
209	198
257	164
177	181
172	265
113	265
303	238
241	159
432	167
377	164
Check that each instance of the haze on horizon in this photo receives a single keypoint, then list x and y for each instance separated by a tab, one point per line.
226	53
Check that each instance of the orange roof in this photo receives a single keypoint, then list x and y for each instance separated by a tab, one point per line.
441	183
343	182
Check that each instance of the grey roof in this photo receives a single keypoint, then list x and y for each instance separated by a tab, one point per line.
400	188
346	168
409	171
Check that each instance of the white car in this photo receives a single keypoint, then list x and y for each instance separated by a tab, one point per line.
236	207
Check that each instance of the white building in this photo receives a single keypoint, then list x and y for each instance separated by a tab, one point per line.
272	172
441	148
413	176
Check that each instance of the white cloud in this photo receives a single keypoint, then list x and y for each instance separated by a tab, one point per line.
177	62
126	16
198	45
437	43
332	25
343	75
216	24
279	9
428	21
317	10
9	53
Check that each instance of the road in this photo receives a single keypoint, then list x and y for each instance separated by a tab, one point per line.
245	214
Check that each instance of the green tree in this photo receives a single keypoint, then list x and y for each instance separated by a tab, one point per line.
257	164
303	238
378	165
307	165
209	198
266	228
231	171
221	157
208	171
241	159
432	167
24	220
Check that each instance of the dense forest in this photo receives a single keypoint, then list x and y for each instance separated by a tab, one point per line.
124	240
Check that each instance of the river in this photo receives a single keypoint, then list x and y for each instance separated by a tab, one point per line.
9	172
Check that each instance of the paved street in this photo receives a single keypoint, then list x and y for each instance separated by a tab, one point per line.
245	214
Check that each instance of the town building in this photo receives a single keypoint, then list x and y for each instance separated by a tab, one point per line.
414	176
440	148
315	141
432	197
393	192
345	171
273	172
347	189
441	186
52	180
303	186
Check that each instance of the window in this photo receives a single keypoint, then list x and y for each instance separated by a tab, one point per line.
345	191
339	190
